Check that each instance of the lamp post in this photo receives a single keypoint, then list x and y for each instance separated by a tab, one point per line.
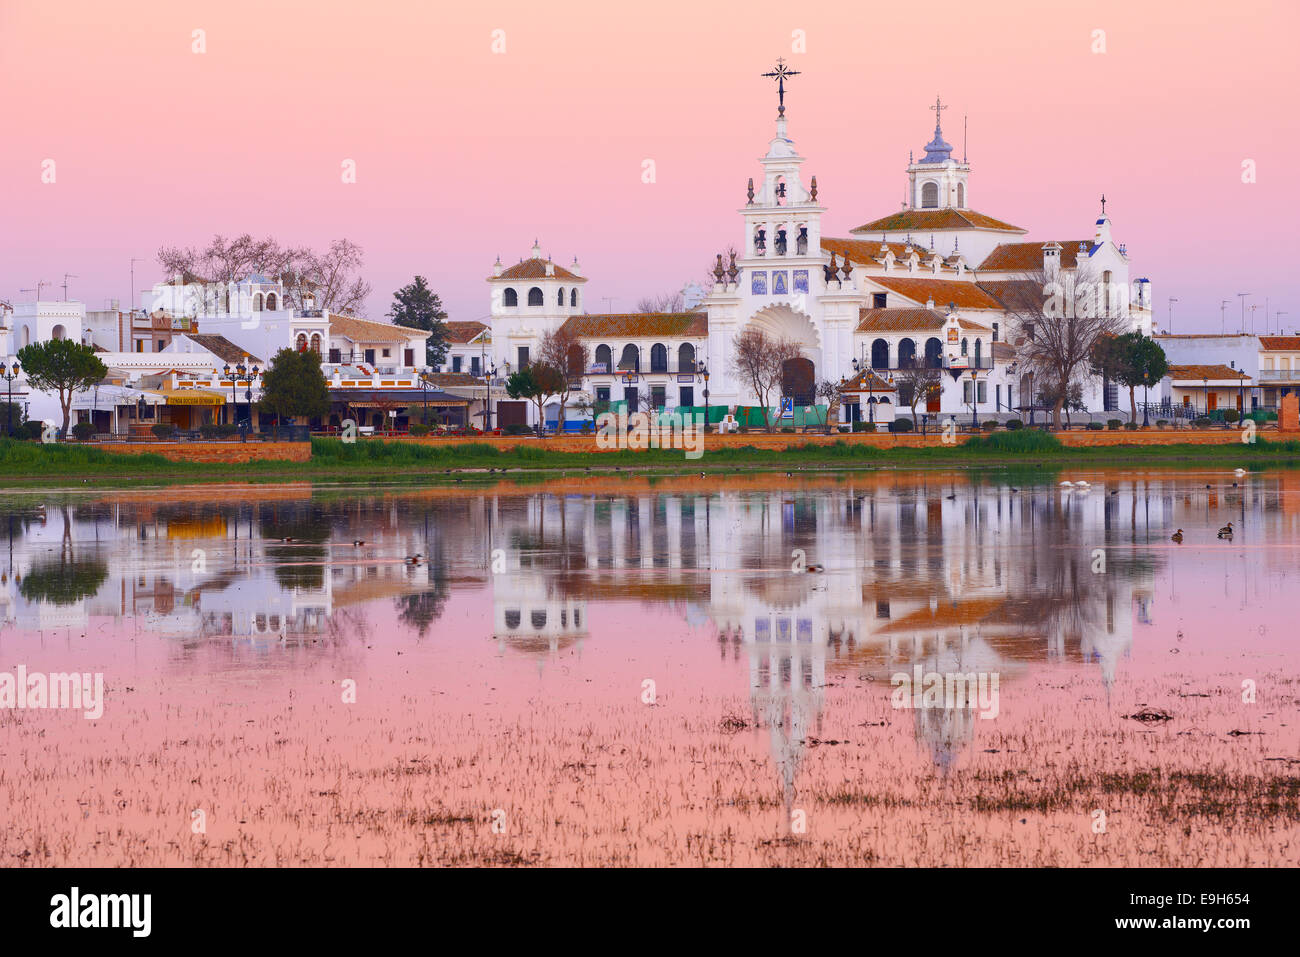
1146	399
488	376
871	390
9	373
139	409
1205	396
703	369
237	372
1031	398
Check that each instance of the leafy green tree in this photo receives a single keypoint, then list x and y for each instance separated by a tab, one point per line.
536	382
12	416
63	367
293	385
63	582
416	306
1146	364
1132	360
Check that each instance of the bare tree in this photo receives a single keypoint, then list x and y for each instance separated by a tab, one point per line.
830	391
665	302
1054	333
228	260
332	277
759	361
563	350
918	381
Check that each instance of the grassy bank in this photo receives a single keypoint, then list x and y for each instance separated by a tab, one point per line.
30	463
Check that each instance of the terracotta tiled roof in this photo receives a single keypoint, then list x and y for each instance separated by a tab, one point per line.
363	330
922	220
444	379
536	269
1205	372
681	325
462	332
964	295
1015	294
1280	343
223	348
1028	257
867	250
909	320
868	381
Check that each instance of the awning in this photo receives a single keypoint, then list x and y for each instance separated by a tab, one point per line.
193	397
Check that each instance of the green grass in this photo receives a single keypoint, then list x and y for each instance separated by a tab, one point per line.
33	463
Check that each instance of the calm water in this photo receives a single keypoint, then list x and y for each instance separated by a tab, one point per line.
672	672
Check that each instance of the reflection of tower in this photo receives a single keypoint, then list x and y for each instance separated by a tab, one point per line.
947	731
787	672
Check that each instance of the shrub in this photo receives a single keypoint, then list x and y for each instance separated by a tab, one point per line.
1162	423
83	431
585	428
1202	422
517	428
1014	424
990	426
788	429
864	427
1130	426
31	430
1029	440
219	431
1230	415
1113	424
900	425
418	429
1095	426
164	430
742	429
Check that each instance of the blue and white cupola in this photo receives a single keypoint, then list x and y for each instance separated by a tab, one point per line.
936	180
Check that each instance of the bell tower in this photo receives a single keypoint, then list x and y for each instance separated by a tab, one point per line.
937	181
782	218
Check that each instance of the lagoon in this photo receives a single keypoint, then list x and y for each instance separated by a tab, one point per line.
659	671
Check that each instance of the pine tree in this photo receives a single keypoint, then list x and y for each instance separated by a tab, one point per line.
416	306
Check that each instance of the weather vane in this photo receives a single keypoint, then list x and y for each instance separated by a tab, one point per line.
780	73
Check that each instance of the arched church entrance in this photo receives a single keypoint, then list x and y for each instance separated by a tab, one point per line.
781	323
799	381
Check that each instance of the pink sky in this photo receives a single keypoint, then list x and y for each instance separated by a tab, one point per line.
463	154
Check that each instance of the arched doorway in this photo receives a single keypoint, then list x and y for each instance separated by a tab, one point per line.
880	354
799	381
906	354
933	353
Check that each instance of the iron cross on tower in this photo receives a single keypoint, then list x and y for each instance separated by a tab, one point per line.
938	112
780	73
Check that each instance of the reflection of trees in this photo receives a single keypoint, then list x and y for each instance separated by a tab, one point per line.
64	582
300	563
421	610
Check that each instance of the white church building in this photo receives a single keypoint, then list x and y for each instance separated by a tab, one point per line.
933	284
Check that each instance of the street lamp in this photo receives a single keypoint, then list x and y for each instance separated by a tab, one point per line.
9	373
488	376
1205	396
237	372
703	370
974	398
1146	398
871	390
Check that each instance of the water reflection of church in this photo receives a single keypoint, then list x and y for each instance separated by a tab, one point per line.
988	580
